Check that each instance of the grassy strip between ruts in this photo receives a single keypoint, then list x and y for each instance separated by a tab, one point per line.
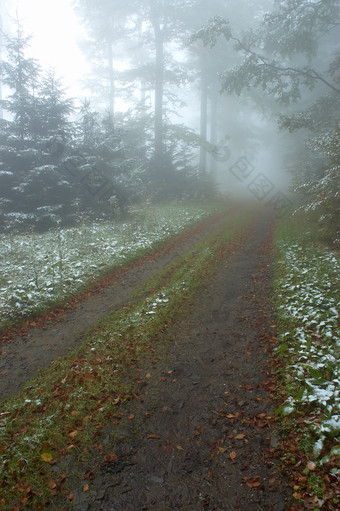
65	406
308	299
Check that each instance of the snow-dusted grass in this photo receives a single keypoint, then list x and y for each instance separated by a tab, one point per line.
39	271
308	306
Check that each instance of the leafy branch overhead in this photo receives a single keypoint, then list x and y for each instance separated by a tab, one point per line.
282	56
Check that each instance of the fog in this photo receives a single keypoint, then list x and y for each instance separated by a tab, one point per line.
162	100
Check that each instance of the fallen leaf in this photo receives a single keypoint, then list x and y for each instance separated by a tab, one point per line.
162	379
240	436
71	496
232	455
46	457
86	487
89	377
222	449
148	376
311	465
155	437
73	434
179	448
131	417
164	409
111	457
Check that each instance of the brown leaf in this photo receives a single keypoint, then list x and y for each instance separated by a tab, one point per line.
155	437
89	377
111	457
240	436
71	496
73	434
86	487
162	379
232	455
131	417
311	465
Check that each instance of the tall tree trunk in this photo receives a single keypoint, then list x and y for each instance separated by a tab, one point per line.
213	126
204	120
112	91
159	92
1	46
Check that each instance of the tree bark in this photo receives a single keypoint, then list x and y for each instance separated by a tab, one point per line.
1	46
213	126
112	91
159	91
204	120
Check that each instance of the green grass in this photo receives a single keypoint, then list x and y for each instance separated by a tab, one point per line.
307	304
61	412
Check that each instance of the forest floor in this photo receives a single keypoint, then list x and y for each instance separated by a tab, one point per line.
200	433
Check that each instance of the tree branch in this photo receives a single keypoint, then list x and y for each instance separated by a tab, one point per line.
288	70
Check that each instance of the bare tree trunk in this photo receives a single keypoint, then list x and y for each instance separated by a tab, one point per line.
1	46
112	91
159	91
213	126
204	120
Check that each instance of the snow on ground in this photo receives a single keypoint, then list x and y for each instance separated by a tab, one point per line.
309	307
39	270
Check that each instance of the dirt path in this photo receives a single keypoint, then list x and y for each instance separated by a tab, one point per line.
200	436
37	346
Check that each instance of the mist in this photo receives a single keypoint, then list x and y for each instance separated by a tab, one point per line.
160	101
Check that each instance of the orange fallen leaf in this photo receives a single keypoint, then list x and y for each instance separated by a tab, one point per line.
222	449
155	437
89	377
148	376
232	455
162	379
240	436
131	417
73	434
111	457
71	496
86	487
311	465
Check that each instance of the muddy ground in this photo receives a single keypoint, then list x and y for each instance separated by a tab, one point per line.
200	434
40	342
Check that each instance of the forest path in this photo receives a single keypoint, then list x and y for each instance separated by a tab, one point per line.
36	347
199	436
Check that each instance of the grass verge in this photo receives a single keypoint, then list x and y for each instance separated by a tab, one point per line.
64	408
308	299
